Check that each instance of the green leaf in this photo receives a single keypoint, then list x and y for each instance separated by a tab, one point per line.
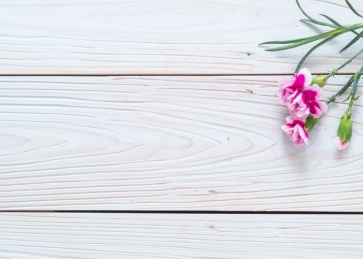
338	24
312	19
332	20
314	22
355	26
352	8
282	42
310	39
356	38
314	48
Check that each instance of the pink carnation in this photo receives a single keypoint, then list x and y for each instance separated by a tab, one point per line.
305	102
295	131
301	98
341	144
290	87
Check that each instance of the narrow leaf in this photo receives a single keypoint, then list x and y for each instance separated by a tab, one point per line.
313	20
314	48
282	42
356	38
352	8
316	37
332	20
338	24
310	39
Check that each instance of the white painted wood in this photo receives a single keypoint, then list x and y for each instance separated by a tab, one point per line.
168	143
53	236
163	37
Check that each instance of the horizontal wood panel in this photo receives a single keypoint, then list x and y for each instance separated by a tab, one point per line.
50	235
168	143
164	37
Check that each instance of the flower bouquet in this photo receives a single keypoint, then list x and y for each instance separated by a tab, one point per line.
302	93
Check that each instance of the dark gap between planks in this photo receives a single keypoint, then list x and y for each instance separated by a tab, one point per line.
188	212
105	75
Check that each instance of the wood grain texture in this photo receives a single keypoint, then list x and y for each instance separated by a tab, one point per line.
164	37
168	143
67	236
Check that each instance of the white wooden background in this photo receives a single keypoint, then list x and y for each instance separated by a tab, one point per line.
153	107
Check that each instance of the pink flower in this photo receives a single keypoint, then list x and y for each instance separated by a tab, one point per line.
301	98
306	101
289	87
295	131
340	144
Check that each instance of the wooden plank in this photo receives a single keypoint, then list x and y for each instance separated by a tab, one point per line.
164	37
49	235
168	143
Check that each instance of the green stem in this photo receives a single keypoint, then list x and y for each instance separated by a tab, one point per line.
349	110
341	91
351	96
356	80
310	121
335	71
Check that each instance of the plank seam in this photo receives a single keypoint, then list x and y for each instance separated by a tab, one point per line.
188	212
151	75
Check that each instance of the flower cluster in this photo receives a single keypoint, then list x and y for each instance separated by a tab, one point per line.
301	93
303	101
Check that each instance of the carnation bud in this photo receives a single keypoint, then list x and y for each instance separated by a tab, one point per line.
344	131
320	80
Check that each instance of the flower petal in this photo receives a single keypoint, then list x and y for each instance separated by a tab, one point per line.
339	144
306	75
314	91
